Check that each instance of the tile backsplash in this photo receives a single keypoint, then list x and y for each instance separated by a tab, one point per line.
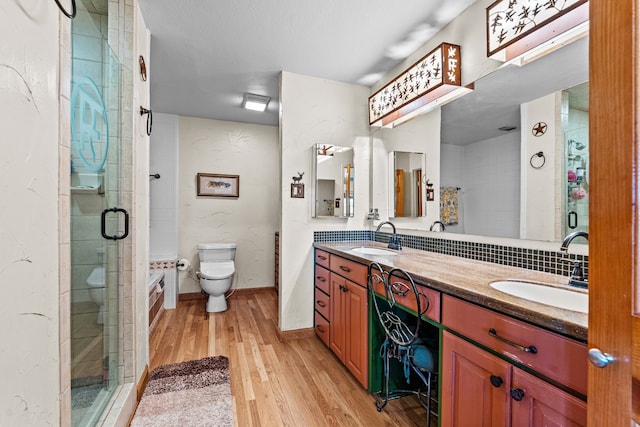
554	262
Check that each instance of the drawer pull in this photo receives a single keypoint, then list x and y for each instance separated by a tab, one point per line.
324	258
530	349
344	288
321	329
321	303
321	279
345	269
496	381
517	394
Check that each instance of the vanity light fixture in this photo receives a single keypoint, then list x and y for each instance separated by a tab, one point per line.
429	83
255	102
521	31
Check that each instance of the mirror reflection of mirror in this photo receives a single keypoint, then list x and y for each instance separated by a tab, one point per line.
488	138
333	181
406	196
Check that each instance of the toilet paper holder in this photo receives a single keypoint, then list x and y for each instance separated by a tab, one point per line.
183	264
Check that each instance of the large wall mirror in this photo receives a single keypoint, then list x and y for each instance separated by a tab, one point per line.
490	175
333	181
406	187
515	150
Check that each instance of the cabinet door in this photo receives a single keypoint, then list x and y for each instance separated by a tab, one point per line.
475	385
356	351
538	403
337	316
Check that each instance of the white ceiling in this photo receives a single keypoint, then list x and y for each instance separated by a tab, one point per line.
206	54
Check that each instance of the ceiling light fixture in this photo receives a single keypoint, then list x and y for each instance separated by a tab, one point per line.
521	31
430	83
255	102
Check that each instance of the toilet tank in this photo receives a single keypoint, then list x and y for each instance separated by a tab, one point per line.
216	251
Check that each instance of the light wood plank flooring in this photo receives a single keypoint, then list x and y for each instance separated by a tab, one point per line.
274	383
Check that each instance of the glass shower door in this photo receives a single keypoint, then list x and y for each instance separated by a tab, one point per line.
97	223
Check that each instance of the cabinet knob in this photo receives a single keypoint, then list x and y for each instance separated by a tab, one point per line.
517	394
600	359
496	381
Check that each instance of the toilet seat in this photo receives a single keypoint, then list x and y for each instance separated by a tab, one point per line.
96	278
217	270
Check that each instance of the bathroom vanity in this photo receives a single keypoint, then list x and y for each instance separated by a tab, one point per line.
341	311
504	360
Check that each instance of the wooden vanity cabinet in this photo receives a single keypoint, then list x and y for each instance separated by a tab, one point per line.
474	385
480	388
322	302
344	284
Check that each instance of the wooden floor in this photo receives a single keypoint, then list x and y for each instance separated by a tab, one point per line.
274	383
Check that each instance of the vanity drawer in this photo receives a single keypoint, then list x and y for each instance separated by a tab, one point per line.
322	279
321	303
429	298
353	271
322	328
322	258
559	358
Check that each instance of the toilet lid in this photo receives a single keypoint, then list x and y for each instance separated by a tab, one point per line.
217	270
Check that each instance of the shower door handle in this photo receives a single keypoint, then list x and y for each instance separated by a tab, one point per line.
103	224
572	219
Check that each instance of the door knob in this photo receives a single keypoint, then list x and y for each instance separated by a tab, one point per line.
600	359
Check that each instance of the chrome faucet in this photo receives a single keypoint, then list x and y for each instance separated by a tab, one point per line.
433	226
394	243
578	275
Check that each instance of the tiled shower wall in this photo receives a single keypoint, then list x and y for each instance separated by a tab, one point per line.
531	259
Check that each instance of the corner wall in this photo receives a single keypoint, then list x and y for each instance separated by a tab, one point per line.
230	148
315	111
34	231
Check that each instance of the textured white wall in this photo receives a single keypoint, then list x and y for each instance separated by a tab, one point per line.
141	141
469	31
491	187
163	232
251	151
30	254
315	111
539	204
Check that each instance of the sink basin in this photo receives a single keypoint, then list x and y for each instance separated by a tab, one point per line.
373	251
555	297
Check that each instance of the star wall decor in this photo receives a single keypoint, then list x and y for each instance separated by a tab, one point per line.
539	129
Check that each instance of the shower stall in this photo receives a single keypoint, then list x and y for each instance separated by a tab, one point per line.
576	158
97	222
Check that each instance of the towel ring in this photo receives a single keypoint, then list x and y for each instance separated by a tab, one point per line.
538	154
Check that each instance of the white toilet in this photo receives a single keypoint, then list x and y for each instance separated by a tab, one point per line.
216	272
95	282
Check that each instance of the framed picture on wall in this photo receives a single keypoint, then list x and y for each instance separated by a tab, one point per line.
216	185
